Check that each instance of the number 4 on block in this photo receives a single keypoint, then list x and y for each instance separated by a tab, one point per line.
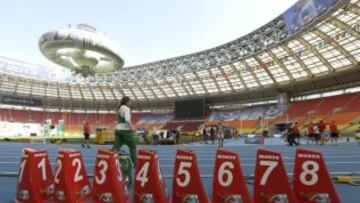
149	185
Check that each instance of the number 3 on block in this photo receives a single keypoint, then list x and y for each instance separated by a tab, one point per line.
184	170
271	165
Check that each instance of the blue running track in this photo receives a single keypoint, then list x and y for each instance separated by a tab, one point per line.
344	157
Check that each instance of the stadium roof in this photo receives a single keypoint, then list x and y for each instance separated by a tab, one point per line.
287	54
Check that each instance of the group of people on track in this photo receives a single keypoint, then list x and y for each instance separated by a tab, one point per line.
315	132
214	132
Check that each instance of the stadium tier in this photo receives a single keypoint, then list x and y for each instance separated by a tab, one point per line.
250	119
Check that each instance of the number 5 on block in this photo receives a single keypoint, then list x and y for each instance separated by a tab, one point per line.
187	185
271	182
312	182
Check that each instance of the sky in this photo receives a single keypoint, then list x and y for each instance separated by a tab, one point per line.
145	30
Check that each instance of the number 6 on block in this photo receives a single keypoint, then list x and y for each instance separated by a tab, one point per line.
271	182
187	185
228	182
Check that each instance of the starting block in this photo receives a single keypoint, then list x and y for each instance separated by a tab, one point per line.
109	182
271	182
71	182
187	184
312	182
35	178
149	184
228	182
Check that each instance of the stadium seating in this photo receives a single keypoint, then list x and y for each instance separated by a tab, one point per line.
353	105
344	109
332	103
185	126
246	113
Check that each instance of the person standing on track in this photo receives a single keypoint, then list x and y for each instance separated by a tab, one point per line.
204	134
322	127
124	131
86	133
296	131
177	136
316	134
334	133
310	131
212	135
220	135
291	136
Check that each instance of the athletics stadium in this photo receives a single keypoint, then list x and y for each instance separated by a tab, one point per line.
295	79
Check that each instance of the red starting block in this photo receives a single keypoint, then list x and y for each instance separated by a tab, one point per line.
149	185
228	182
271	183
35	178
187	185
109	183
71	182
312	182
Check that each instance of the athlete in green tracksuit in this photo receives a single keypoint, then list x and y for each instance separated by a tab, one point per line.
124	129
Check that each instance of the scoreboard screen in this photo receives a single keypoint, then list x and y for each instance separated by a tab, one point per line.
190	109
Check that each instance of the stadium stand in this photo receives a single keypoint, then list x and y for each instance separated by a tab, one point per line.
344	109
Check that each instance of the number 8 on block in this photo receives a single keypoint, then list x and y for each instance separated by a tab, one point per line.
312	182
